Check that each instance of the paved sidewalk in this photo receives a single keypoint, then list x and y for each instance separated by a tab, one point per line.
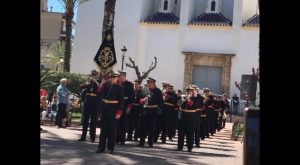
60	146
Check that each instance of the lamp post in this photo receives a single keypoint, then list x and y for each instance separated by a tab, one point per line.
61	62
124	50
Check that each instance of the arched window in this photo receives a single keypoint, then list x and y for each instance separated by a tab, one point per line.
213	6
166	5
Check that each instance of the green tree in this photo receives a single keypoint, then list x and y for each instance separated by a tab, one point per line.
45	78
50	80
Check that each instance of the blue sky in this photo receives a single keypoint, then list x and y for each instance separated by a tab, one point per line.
57	7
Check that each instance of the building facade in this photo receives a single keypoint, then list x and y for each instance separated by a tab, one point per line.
53	29
210	43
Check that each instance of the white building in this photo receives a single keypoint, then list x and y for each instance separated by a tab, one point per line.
210	43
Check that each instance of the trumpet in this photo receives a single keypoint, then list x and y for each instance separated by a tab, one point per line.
146	101
183	99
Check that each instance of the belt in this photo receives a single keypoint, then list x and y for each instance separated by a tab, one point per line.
151	106
135	104
203	115
110	101
189	110
91	94
169	104
125	98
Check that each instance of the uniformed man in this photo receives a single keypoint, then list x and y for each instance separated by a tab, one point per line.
210	107
151	103
226	110
128	92
91	104
111	109
170	103
161	122
134	117
199	108
219	109
186	119
204	132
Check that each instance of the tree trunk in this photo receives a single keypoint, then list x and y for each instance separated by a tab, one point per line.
69	14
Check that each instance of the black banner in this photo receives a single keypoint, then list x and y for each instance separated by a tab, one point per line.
106	56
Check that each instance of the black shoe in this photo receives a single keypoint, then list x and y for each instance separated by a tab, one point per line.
122	143
129	139
150	146
135	140
170	139
164	142
198	146
82	139
189	150
110	151
179	149
93	140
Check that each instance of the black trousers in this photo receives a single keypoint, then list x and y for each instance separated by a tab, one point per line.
211	121
223	123
197	129
61	113
171	123
161	127
134	122
186	128
203	127
147	127
121	128
108	130
90	112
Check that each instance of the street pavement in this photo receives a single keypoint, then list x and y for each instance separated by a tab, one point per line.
61	146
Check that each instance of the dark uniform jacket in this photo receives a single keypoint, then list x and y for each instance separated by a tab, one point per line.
128	91
189	106
154	98
89	94
112	92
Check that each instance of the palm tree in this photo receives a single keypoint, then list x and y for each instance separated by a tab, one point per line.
69	6
54	53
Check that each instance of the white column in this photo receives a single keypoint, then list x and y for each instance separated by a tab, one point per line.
237	14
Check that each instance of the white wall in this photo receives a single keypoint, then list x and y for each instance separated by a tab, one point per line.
163	43
88	36
166	42
209	41
126	32
89	33
247	50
